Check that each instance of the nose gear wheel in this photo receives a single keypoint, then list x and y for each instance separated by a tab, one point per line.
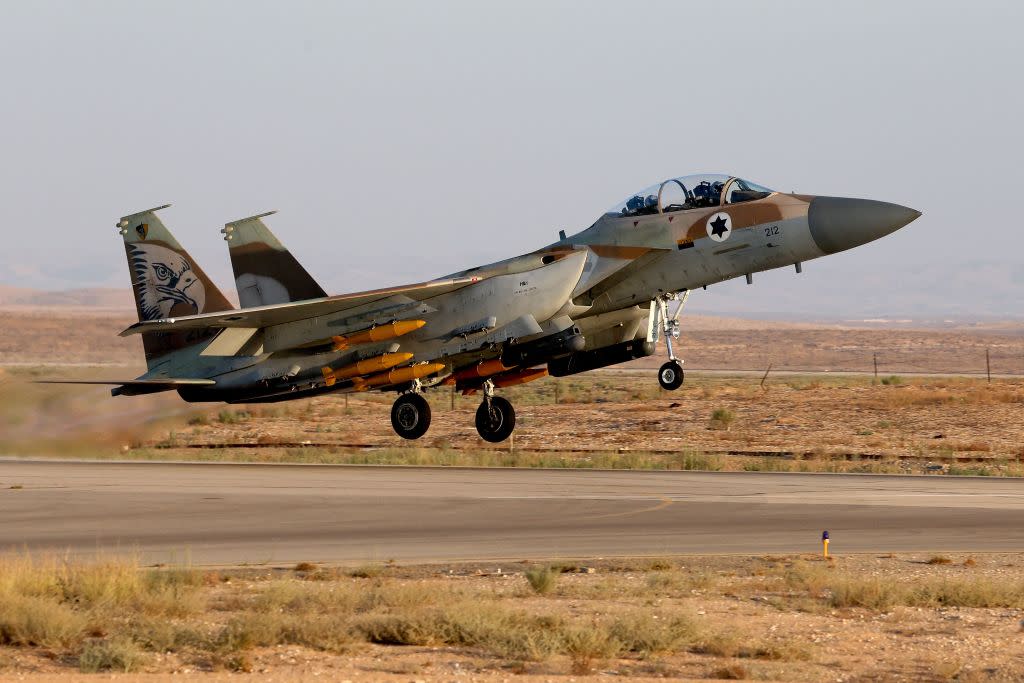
670	376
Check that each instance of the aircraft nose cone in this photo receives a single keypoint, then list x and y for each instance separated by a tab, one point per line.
838	223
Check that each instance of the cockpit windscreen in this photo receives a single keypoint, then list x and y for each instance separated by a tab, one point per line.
689	192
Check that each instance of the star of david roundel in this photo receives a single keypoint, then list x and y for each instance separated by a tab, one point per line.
719	226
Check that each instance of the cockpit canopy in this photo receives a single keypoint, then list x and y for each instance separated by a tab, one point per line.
689	192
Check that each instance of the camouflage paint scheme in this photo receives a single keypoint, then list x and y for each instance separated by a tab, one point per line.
582	302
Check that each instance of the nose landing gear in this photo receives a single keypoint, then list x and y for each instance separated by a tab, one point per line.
670	375
410	416
495	418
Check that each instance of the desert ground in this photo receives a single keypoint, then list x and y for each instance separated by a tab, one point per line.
858	617
930	408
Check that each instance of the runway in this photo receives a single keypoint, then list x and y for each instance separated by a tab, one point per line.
281	514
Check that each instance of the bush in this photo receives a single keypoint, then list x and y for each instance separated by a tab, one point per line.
584	644
721	418
418	628
369	571
230	417
119	654
892	380
646	634
697	461
254	629
28	620
542	579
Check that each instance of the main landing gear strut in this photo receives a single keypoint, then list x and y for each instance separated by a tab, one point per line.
670	375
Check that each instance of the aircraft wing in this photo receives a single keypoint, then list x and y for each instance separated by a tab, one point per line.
278	314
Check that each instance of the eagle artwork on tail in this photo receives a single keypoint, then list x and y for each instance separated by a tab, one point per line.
165	282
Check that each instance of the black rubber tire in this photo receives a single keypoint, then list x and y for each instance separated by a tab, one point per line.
670	375
410	416
496	421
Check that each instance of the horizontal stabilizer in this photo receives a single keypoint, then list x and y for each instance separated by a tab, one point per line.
132	382
135	387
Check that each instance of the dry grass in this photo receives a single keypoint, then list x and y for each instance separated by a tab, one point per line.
662	616
112	615
841	589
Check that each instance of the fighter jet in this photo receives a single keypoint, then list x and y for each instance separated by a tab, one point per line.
602	296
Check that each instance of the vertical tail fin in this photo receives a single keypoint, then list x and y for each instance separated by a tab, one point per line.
266	273
167	281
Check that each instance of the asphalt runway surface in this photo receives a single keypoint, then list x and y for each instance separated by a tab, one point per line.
228	514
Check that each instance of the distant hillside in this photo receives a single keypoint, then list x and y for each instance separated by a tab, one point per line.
88	297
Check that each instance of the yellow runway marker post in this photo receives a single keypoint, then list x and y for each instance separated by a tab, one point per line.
824	544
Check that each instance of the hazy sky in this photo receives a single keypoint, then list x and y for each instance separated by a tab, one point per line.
402	141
